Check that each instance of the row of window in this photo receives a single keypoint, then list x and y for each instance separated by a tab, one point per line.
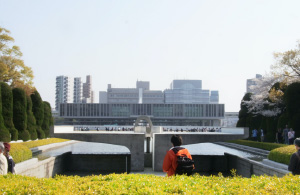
156	110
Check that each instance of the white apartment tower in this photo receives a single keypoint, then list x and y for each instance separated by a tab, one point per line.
64	90
77	95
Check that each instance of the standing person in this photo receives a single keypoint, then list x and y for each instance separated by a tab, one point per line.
170	161
3	161
291	136
262	135
294	165
254	135
285	135
10	161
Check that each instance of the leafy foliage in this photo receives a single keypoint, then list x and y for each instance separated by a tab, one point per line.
19	113
7	110
31	123
47	118
149	184
42	142
13	71
20	152
4	133
282	155
37	108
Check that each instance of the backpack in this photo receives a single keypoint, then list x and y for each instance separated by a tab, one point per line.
185	165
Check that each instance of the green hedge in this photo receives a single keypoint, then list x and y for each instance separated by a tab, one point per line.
261	145
283	154
149	184
33	144
19	152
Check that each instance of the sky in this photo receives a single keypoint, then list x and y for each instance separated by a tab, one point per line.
117	42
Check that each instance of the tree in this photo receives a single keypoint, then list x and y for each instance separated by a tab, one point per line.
261	102
243	113
4	133
38	112
7	110
19	113
13	70
47	118
31	122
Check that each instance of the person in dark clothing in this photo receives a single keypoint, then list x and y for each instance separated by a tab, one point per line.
10	161
294	165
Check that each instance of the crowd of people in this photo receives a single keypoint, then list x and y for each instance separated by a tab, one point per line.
103	129
287	136
7	164
204	129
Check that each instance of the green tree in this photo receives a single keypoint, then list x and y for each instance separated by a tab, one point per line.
4	133
287	64
31	122
38	112
7	110
243	113
19	113
47	118
13	70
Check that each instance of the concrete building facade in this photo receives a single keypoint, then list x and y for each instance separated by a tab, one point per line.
126	114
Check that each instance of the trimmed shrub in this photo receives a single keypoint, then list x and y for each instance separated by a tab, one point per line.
149	184
31	123
7	109
20	152
33	144
40	132
47	118
4	133
19	113
261	145
37	108
282	155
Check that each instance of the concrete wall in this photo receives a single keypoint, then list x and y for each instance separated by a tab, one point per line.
99	163
42	169
104	163
133	141
246	167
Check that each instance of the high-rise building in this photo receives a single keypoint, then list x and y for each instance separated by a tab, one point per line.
189	92
252	82
87	93
64	91
77	98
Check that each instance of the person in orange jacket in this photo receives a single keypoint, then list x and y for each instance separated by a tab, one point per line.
170	161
